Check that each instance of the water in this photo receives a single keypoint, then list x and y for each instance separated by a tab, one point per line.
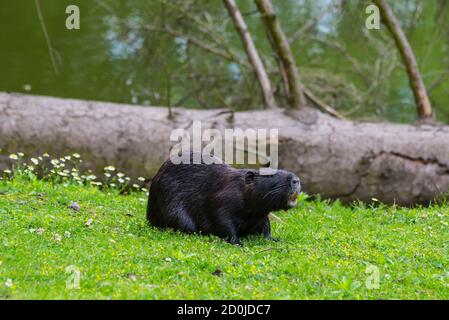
106	61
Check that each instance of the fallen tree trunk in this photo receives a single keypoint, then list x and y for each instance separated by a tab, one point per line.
335	158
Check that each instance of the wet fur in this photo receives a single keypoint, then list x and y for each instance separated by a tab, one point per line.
217	199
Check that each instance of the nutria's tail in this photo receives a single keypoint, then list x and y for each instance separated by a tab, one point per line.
148	208
151	209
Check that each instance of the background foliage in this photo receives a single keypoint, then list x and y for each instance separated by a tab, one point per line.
122	54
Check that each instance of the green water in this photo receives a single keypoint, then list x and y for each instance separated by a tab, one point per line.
106	61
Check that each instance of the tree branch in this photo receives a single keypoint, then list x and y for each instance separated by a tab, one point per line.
198	43
423	105
253	55
205	28
282	48
51	51
322	105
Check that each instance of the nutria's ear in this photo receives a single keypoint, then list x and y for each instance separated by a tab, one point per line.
249	176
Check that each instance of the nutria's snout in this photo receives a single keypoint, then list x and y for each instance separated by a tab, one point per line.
294	191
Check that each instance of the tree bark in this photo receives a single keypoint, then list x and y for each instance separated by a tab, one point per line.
253	55
394	163
282	48
422	101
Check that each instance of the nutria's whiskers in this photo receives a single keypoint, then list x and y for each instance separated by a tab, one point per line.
273	191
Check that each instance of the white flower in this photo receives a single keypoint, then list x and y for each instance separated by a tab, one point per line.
13	156
58	237
8	283
67	234
109	168
141	178
136	186
68	157
35	161
120	174
76	155
7	171
45	155
20	154
121	180
54	162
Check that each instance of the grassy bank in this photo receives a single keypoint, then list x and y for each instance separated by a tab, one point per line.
326	251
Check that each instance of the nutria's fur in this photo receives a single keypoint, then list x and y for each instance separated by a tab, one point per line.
218	199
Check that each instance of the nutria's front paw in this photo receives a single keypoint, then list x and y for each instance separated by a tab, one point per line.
235	241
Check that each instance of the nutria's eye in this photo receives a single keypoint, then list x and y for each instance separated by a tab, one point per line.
295	183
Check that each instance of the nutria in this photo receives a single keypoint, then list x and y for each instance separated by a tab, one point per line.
218	199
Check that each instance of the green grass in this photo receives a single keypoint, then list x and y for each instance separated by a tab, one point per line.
325	251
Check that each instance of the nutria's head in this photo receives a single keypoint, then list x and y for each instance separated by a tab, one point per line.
276	191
